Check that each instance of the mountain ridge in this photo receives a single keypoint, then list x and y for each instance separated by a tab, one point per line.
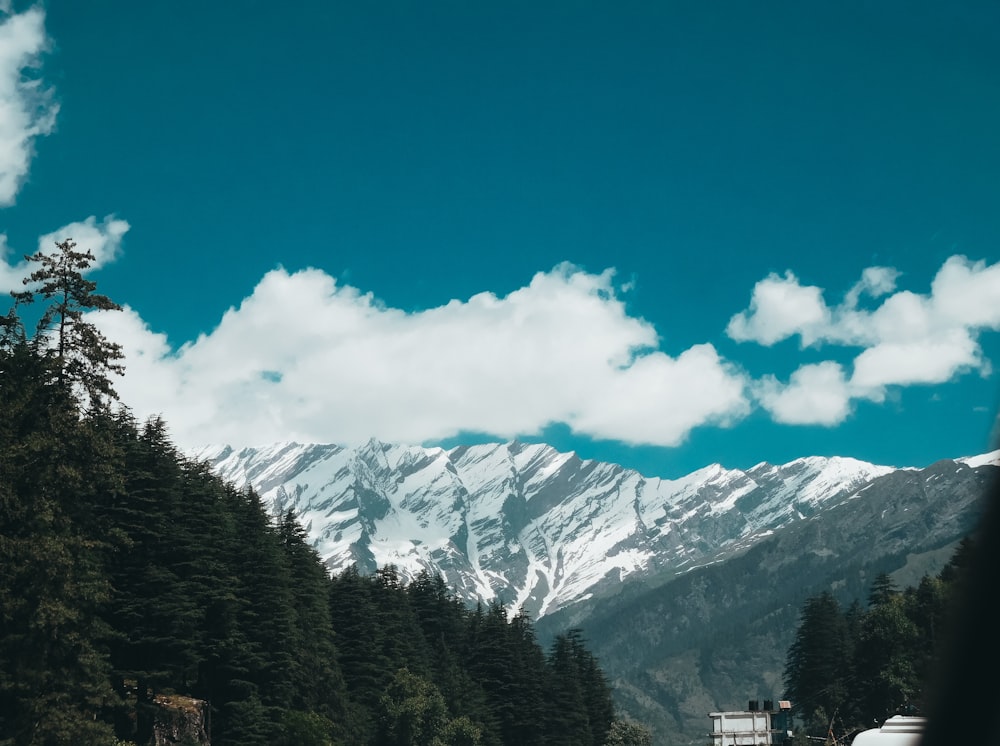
526	524
712	637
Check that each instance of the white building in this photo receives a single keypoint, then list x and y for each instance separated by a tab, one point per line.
751	727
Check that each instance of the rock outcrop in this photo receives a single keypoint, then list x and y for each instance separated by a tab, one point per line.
180	720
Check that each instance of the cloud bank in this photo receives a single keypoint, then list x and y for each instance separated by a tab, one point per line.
312	360
308	359
27	107
906	339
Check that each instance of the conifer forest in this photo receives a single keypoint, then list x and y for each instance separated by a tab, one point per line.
850	668
128	572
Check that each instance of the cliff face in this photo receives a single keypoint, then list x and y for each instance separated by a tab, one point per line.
180	720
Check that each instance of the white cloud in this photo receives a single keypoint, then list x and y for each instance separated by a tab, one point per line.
103	239
875	281
816	395
780	308
908	339
968	293
306	359
27	109
936	359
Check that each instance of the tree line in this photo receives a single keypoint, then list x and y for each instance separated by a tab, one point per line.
128	570
850	668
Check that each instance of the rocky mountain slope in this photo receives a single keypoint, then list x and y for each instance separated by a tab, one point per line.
527	524
718	635
687	589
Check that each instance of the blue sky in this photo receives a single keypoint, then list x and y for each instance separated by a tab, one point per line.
664	234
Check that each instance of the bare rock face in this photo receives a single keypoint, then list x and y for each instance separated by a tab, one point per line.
180	720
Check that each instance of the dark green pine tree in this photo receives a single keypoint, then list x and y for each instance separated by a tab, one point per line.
366	668
403	643
56	469
84	358
532	682
441	618
227	656
569	718
156	609
443	621
317	679
883	590
596	690
850	712
53	669
491	664
956	573
816	672
927	607
265	620
961	560
884	657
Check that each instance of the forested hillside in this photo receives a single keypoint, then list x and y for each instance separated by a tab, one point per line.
128	571
716	636
854	666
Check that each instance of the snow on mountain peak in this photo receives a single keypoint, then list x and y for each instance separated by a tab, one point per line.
525	523
987	459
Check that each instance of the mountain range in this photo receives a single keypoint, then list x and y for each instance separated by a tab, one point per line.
687	588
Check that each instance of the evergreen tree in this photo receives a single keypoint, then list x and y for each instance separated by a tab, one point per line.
263	643
443	621
366	668
53	670
883	590
884	659
83	357
403	643
816	674
532	681
492	664
318	681
569	721
154	609
927	607
413	712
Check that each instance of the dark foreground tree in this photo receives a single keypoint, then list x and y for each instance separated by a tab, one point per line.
84	357
816	672
54	683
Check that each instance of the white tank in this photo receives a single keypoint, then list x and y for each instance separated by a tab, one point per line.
899	730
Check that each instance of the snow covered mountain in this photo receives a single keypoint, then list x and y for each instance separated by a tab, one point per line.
527	524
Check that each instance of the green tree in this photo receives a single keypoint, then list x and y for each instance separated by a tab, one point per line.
306	729
627	733
84	357
53	669
883	590
569	720
366	668
888	678
413	713
816	668
531	683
